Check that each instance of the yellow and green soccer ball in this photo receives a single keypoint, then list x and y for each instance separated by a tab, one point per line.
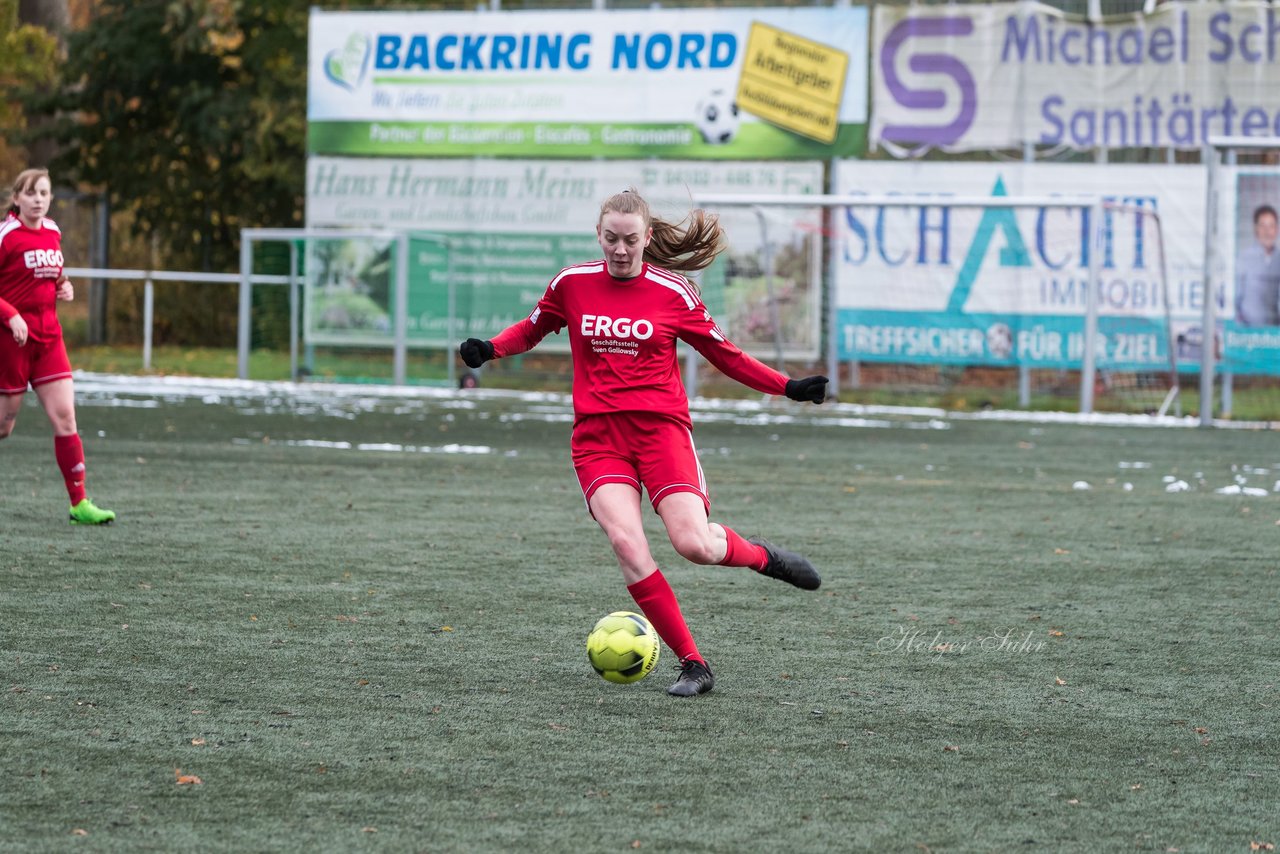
623	647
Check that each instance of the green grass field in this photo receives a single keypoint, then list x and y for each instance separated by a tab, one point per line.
382	648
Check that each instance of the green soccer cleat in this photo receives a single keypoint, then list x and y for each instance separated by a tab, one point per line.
85	513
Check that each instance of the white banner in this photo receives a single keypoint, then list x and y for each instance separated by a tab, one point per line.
1028	260
943	283
746	84
997	76
1249	220
548	196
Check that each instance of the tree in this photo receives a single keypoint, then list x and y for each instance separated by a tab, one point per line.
192	116
52	17
30	61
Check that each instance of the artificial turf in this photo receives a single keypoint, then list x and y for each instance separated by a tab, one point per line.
382	647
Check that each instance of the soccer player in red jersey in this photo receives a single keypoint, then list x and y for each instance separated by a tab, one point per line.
631	426
31	281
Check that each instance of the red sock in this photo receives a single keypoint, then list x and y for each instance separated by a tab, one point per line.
742	553
654	596
70	455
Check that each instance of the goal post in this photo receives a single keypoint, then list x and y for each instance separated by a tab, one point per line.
363	277
1140	351
1045	284
384	304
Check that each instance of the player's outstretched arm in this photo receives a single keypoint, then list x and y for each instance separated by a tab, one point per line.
809	389
475	352
707	338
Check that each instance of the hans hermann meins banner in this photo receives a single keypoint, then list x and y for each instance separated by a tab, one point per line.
720	84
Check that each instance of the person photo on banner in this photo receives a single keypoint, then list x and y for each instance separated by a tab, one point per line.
1258	273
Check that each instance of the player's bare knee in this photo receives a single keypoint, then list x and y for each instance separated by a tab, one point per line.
694	548
629	549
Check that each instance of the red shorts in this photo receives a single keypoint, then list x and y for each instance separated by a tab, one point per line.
639	449
35	363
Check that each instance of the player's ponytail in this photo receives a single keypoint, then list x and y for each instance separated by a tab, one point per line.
689	245
686	246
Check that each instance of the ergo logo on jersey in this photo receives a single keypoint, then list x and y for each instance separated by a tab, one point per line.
623	327
928	63
35	258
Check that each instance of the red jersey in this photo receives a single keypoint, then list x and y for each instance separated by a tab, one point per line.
30	264
622	333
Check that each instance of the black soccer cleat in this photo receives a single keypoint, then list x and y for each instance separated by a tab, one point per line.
788	566
695	678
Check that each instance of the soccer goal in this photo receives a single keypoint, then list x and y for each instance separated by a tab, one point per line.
391	306
993	301
1242	259
371	304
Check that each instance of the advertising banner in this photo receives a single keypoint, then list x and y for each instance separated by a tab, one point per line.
497	231
1251	322
971	285
713	84
970	77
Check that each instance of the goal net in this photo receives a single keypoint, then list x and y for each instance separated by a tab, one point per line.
1046	302
392	306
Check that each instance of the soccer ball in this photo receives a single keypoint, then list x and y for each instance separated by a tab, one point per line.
623	647
717	117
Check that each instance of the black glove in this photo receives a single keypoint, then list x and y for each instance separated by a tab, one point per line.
811	389
475	352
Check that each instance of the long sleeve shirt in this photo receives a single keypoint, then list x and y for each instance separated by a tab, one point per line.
623	334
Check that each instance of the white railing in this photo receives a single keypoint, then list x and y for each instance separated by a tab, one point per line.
150	277
249	237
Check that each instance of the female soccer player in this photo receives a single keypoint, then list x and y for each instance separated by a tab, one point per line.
631	416
31	280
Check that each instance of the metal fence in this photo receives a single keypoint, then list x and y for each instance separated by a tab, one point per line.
149	278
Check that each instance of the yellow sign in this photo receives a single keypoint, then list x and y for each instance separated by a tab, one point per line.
793	82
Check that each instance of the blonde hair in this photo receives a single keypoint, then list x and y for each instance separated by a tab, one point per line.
26	180
686	246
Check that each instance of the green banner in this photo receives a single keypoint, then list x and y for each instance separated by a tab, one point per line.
460	286
497	280
568	139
